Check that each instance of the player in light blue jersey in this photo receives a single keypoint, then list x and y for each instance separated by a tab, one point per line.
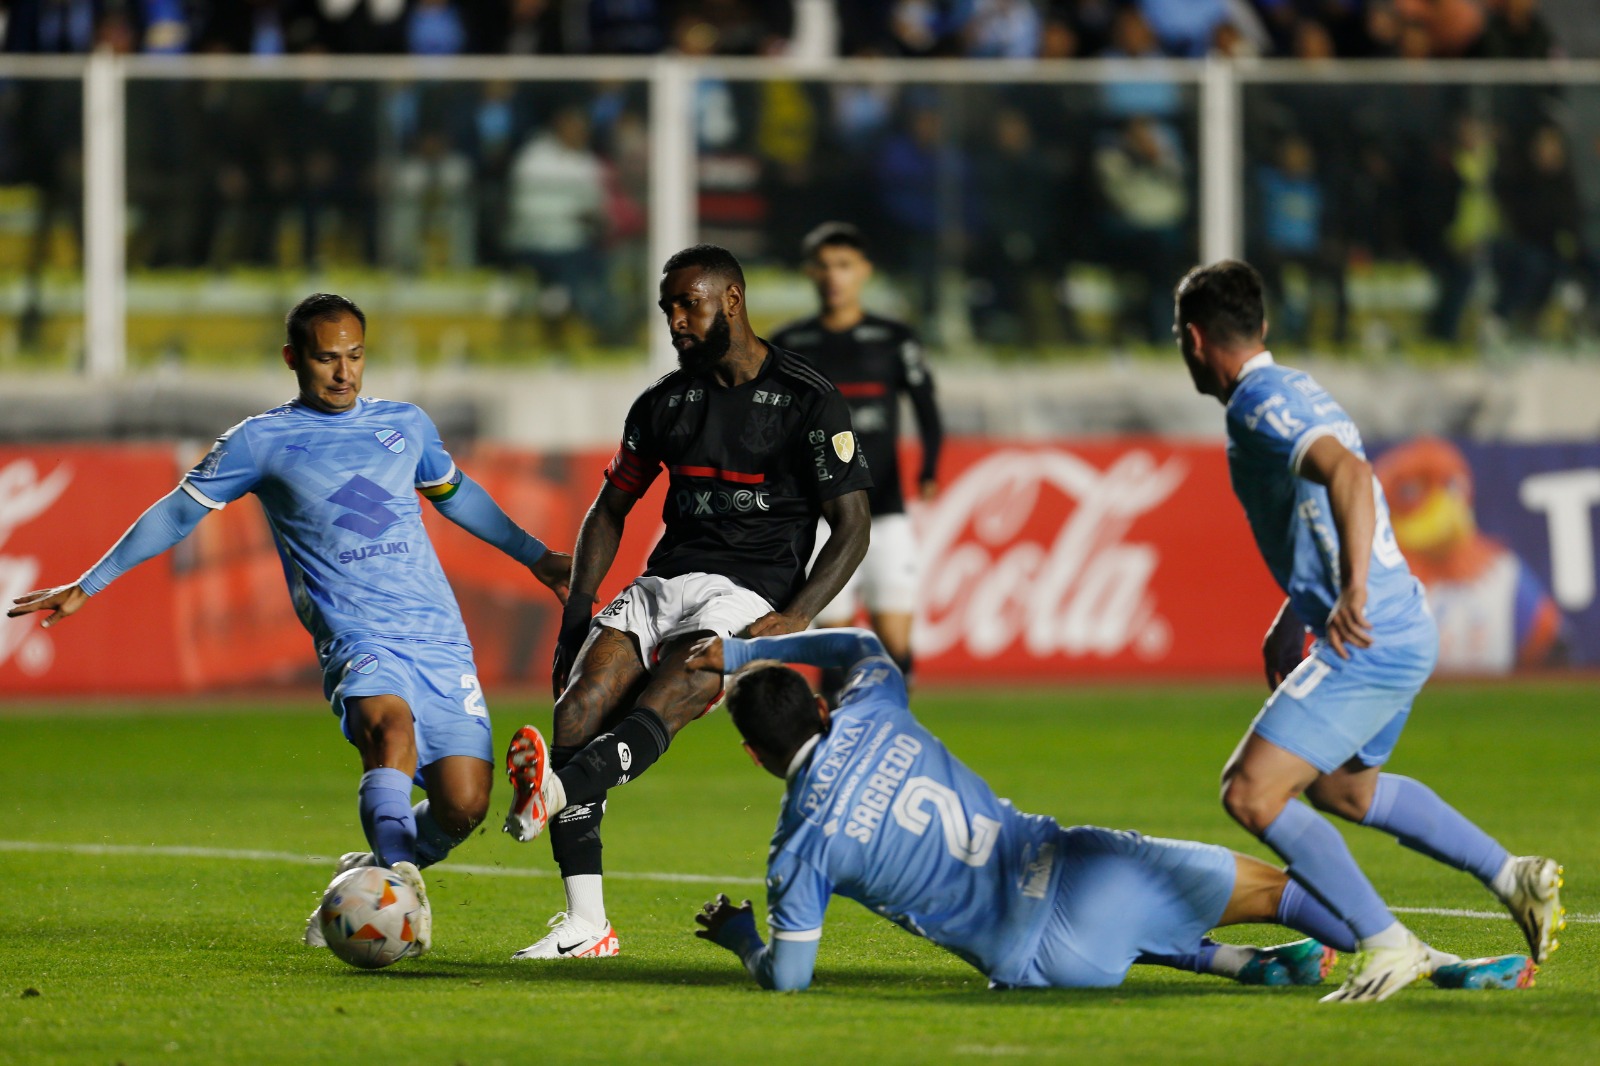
338	476
1335	714
878	810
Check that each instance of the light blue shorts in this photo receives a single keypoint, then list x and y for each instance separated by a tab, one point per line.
438	681
1331	710
1122	895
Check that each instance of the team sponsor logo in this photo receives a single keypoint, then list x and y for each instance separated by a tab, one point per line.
692	396
630	437
624	755
773	399
24	496
392	439
365	500
372	551
303	449
841	745
844	445
818	436
871	334
1080	590
714	502
365	663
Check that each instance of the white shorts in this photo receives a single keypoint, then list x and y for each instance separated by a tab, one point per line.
656	609
886	581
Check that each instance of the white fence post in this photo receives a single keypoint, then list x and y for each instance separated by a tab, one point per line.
1221	180
105	217
673	216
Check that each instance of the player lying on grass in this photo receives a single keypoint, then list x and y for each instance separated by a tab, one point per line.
1320	521
338	477
877	810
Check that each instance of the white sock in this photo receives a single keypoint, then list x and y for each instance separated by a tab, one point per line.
586	898
555	794
1229	959
1505	882
1392	937
1437	958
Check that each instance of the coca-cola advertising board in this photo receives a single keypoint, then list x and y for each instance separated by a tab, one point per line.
1041	563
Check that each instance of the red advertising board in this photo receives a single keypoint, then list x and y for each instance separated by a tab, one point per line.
1041	562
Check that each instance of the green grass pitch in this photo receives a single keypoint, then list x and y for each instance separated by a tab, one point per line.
136	955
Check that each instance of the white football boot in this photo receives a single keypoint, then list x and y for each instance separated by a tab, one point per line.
348	861
571	937
537	794
422	929
1535	903
1379	973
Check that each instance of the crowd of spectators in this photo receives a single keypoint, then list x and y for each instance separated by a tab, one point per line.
1010	189
1014	29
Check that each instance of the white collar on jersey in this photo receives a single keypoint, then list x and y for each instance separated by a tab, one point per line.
801	756
1254	363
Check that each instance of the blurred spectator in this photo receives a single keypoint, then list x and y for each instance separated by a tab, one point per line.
1515	30
361	26
1538	197
1466	184
1132	38
925	193
557	217
435	28
1010	260
1002	29
1451	26
1184	27
431	193
1142	182
496	128
1088	22
1297	252
256	27
626	27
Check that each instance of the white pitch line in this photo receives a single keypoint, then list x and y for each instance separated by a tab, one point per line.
250	855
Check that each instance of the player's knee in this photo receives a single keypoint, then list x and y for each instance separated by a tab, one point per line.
1339	800
461	812
1251	806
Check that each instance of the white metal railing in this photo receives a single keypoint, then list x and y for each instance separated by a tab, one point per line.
671	80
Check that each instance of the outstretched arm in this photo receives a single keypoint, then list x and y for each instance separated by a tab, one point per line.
167	521
849	531
844	648
782	966
469	505
1348	479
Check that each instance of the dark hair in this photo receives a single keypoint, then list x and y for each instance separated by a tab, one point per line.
315	308
1223	299
773	707
832	235
711	258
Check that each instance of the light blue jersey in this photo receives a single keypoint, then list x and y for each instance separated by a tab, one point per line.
881	813
340	493
1274	415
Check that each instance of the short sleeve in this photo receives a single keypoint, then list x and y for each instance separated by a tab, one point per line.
436	470
797	898
227	472
1281	419
637	463
835	463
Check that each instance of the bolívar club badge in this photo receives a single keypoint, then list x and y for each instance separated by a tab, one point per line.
392	439
844	445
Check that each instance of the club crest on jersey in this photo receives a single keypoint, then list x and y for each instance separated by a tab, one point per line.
392	439
844	446
364	664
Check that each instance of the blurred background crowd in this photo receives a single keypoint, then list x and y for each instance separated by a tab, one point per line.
1027	217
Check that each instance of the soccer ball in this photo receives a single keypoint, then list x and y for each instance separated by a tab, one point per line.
368	917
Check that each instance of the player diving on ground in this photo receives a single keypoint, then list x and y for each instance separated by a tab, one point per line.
876	809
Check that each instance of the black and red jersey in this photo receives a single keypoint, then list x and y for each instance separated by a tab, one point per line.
748	469
871	364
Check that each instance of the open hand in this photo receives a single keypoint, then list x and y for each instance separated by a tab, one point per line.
61	602
718	913
776	624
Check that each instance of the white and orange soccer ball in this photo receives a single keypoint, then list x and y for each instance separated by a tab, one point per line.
369	917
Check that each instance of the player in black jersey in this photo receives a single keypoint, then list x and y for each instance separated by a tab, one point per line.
757	446
871	360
